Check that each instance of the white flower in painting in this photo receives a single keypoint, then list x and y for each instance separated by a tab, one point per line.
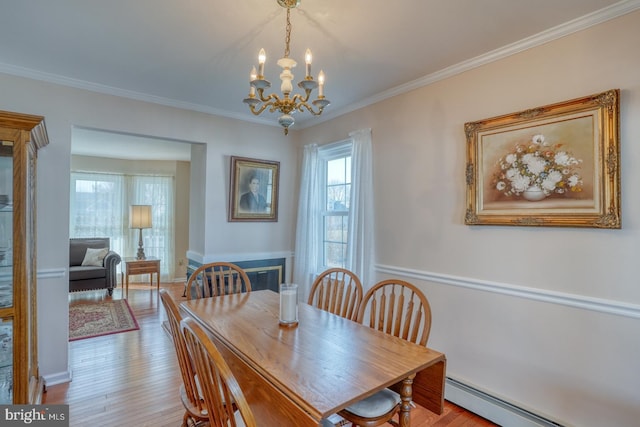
562	158
554	176
573	180
511	173
548	185
551	181
501	185
520	183
511	158
535	164
538	139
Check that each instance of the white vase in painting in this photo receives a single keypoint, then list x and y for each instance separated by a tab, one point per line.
533	194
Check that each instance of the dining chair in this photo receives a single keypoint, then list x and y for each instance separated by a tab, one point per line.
400	309
217	383
338	291
195	411
215	279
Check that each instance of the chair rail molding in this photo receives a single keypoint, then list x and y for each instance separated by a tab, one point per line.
571	300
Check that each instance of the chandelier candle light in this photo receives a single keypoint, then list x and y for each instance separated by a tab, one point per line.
285	104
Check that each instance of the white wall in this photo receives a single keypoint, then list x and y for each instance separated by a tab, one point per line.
546	318
64	108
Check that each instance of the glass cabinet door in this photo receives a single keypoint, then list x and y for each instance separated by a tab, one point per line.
6	362
6	271
6	224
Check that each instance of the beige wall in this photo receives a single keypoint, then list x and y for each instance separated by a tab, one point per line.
180	170
547	318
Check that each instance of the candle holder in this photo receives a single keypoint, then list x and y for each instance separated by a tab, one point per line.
289	304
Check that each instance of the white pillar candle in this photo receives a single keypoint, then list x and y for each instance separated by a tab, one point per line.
288	303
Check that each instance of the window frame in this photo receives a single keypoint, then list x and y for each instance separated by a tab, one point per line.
334	151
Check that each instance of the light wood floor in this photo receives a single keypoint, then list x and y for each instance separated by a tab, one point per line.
132	378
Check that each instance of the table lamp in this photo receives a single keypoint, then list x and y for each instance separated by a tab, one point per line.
140	217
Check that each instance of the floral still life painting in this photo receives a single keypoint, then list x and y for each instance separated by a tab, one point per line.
556	165
538	169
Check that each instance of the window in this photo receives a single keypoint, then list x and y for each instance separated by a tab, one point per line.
335	226
336	189
100	208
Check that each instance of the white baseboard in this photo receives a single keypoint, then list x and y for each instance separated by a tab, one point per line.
57	378
492	408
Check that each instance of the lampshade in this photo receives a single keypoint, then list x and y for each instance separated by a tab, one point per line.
140	216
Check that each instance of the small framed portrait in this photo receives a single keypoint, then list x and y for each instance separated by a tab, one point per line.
557	165
253	193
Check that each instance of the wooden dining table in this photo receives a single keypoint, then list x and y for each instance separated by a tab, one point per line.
296	376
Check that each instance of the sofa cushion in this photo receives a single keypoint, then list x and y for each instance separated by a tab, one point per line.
94	257
83	273
78	248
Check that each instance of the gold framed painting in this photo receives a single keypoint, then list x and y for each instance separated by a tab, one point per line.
253	193
557	165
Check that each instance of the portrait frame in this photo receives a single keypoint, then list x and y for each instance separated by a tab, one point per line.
242	205
556	165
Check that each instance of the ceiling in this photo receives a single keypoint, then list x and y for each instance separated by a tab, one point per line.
197	54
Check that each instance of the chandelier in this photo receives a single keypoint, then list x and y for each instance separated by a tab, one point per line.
285	104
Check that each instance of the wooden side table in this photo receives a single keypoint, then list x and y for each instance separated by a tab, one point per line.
134	266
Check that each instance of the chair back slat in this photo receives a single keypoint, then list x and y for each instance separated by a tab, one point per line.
217	278
219	386
398	308
337	291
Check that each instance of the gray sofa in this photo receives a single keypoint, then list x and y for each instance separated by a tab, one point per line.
83	278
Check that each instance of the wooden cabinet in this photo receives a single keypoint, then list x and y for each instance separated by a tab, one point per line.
21	136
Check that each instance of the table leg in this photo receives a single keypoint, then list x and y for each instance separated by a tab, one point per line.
404	417
127	287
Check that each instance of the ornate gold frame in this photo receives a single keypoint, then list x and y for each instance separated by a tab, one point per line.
268	174
588	126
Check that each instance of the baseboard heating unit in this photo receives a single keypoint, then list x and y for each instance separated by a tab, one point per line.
492	408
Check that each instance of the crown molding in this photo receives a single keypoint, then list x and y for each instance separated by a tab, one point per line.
614	11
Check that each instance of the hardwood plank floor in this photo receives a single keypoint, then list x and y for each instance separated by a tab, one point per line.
132	378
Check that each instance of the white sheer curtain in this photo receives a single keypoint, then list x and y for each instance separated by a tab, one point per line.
100	208
308	228
97	206
360	240
159	241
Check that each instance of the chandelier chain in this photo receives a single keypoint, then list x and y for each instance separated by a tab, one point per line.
287	38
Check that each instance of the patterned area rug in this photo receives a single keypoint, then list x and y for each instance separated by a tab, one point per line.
94	319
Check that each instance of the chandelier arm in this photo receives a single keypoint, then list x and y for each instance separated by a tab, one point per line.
269	97
297	97
302	98
258	111
309	109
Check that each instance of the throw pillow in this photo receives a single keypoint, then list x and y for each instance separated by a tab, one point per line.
94	257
